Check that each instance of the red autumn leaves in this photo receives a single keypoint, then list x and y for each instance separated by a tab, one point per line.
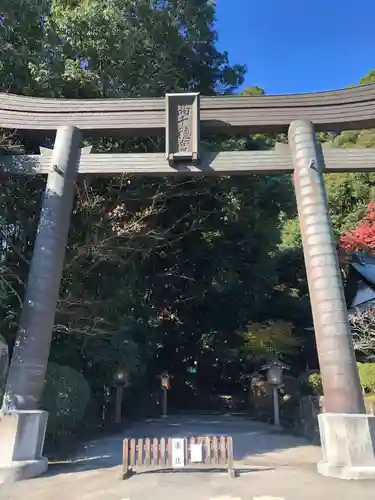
361	238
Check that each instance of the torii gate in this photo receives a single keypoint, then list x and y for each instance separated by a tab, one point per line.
347	433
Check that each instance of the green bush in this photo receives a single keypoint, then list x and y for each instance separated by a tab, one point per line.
315	384
66	396
367	376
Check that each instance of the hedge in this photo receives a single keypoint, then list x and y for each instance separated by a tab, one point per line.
366	375
66	396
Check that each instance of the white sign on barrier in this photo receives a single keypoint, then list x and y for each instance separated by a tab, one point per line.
178	455
196	454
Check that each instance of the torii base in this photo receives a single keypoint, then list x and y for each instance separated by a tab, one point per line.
348	446
22	438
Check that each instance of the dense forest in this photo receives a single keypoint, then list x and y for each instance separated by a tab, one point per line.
160	273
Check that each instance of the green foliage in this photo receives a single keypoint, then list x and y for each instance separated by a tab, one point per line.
369	78
291	235
170	256
121	352
158	272
253	91
315	384
112	48
367	376
348	193
269	339
355	139
66	396
348	197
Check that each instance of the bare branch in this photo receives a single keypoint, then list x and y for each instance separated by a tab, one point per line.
362	323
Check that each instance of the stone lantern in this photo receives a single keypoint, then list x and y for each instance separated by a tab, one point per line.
275	378
120	381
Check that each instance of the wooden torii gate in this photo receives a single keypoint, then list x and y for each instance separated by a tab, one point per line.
347	433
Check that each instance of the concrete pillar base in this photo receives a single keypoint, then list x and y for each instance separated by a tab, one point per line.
22	438
348	445
26	469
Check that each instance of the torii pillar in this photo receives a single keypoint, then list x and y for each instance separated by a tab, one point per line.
22	423
347	433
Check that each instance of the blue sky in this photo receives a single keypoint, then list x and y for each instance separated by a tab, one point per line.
294	46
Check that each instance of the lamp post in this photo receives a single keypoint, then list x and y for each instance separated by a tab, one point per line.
120	380
165	386
275	379
4	364
4	359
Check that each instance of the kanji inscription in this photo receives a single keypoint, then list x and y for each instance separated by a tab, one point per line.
182	127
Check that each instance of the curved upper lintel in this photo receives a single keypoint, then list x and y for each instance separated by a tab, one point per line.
347	109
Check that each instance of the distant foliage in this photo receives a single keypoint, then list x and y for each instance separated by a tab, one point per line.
367	376
348	193
254	91
188	261
362	237
270	338
315	384
66	396
362	324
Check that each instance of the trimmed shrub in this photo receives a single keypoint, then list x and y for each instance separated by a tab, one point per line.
367	376
66	396
315	384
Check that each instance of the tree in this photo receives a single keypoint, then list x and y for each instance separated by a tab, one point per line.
66	398
362	323
176	257
173	261
107	48
348	197
253	91
348	193
266	341
362	238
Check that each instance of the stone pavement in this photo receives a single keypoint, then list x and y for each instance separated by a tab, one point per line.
273	466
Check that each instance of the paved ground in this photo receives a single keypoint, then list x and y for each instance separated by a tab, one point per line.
272	465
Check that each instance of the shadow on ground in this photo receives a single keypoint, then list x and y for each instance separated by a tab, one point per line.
254	443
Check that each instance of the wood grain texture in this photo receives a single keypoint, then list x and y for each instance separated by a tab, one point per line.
224	163
143	454
347	109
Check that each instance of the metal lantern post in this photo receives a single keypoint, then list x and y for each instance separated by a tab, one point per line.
4	359
275	379
121	380
165	386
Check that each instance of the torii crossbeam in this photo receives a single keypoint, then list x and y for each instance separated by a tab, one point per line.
347	433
